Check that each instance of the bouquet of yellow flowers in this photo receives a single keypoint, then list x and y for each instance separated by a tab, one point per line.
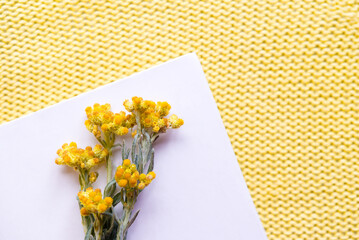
146	120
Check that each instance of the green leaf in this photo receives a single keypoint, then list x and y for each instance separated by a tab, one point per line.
152	162
107	214
86	177
140	157
147	136
110	188
123	150
149	148
136	162
111	227
80	181
88	234
131	221
103	143
117	198
154	138
134	143
127	153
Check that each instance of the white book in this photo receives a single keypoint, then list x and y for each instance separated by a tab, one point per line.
199	191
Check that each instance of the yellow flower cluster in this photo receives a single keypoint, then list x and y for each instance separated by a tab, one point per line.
175	122
153	115
93	177
127	176
100	117
92	202
79	158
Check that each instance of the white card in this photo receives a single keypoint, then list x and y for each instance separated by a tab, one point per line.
199	191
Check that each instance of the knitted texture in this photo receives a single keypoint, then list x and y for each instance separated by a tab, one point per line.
284	74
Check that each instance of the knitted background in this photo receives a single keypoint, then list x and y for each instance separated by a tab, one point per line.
285	75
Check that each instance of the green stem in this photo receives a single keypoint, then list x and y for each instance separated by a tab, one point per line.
98	227
122	233
109	142
83	178
84	219
138	122
131	198
113	219
116	145
109	165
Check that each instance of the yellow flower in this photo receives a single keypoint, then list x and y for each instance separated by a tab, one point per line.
93	177
128	105
92	202
101	117
79	158
152	115
127	176
163	108
141	186
133	134
175	122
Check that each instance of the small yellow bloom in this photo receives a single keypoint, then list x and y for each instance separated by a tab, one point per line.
156	128
105	127
127	176
120	171
136	175
97	199
175	122
142	177
141	186
93	177
152	115
121	131
78	158
108	200
126	162
101	117
102	207
122	182
132	182
92	202
96	131
133	134
84	212
128	105
163	108
151	175
137	102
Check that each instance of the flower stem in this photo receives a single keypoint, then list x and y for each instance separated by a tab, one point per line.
109	142
109	165
98	227
138	122
84	221
122	233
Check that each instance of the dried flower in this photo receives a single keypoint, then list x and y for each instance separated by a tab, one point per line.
127	176
93	177
100	117
92	202
175	122
152	115
78	158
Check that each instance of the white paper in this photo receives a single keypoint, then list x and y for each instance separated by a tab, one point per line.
199	191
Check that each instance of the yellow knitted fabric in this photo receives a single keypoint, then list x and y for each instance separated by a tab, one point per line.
285	75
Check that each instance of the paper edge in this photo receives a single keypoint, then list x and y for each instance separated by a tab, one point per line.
254	209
